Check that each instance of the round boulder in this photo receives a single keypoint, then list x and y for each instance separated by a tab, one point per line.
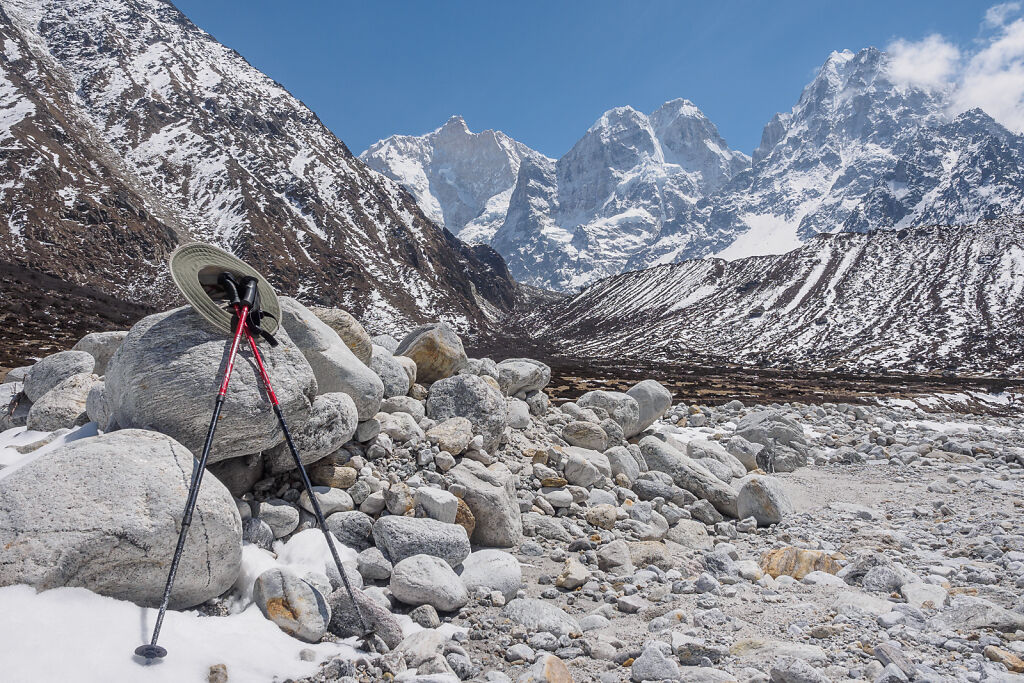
653	399
427	580
391	372
114	532
101	346
332	421
764	499
54	369
494	570
171	362
63	406
471	397
517	375
585	435
621	407
348	328
436	349
399	537
294	605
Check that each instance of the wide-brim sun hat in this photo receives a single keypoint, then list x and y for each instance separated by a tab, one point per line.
196	269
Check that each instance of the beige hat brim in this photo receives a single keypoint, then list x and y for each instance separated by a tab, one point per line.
196	267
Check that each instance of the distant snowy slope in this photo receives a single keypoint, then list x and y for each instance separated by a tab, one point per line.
167	122
914	299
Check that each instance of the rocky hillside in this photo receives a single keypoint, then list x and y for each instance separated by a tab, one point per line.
859	151
128	130
488	534
913	299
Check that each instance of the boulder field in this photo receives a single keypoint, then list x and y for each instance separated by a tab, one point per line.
491	534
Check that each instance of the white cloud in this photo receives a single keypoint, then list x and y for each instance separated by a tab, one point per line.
997	15
989	74
928	63
993	78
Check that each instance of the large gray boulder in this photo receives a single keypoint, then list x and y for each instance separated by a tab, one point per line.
399	537
54	369
522	375
332	421
391	372
471	397
653	399
540	615
492	570
704	448
428	580
167	370
294	605
621	407
356	338
63	406
688	474
491	497
115	528
335	366
436	349
764	499
585	466
101	346
766	426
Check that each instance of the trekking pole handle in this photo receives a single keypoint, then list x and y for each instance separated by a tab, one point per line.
227	281
249	292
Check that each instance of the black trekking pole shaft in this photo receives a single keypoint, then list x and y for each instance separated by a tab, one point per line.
305	477
151	650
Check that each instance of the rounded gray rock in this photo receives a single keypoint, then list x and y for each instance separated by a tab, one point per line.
400	537
332	422
494	570
294	605
391	372
621	407
63	406
764	499
166	372
335	366
541	615
473	398
54	369
653	400
122	496
427	580
101	346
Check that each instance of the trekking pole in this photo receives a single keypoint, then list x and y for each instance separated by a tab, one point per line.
302	472
151	650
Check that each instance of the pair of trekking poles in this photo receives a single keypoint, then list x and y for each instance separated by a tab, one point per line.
244	299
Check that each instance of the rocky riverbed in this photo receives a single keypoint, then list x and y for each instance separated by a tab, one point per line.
495	536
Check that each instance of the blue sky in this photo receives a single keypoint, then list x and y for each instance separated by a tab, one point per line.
544	71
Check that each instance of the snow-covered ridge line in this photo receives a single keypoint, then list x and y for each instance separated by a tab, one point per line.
919	299
859	151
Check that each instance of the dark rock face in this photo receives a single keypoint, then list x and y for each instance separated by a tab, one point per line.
139	131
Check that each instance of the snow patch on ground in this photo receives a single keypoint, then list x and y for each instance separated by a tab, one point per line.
96	636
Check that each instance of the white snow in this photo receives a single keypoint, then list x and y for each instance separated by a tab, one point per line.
72	634
768	234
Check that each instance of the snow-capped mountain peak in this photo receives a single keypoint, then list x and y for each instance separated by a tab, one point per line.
463	180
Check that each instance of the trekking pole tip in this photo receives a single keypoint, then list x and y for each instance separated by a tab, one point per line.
150	651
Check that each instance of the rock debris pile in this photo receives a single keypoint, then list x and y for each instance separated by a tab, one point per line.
495	536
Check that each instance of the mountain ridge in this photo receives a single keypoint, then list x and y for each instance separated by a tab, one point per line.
858	151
